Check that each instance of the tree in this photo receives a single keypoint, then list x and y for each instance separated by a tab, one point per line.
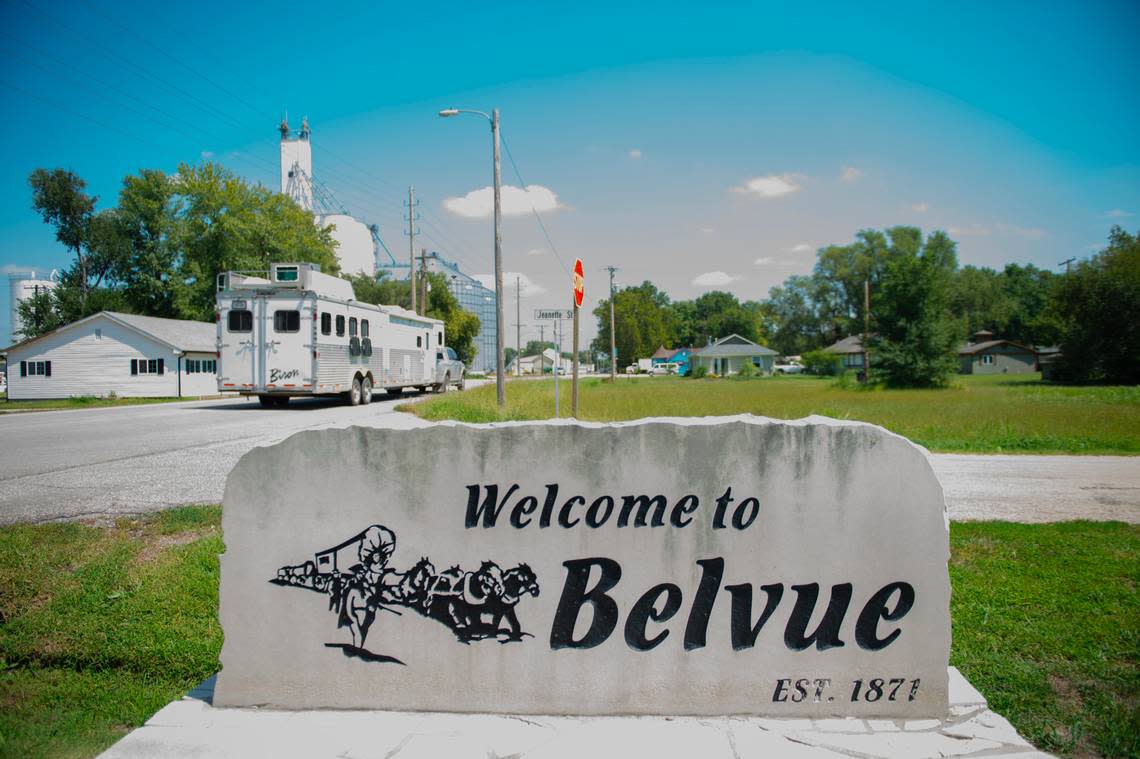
914	335
58	196
534	347
1097	305
798	326
509	355
142	232
224	223
642	321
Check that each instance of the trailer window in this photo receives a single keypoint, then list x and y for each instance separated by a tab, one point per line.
287	321
326	324
419	341
241	321
340	326
364	328
440	341
352	326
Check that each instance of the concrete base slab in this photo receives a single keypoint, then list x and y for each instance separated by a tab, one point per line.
193	727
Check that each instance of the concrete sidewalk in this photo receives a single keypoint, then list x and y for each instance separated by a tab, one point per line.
192	727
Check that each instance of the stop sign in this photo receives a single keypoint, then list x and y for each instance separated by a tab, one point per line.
579	283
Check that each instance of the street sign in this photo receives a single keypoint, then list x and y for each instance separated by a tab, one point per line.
553	314
579	283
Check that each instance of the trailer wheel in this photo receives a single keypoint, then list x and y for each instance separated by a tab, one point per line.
266	401
281	400
356	393
366	390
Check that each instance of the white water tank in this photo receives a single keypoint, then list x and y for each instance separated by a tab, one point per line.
354	244
22	286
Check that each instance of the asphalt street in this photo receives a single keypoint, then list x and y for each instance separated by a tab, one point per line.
130	459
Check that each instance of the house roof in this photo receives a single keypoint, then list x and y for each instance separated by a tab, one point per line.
663	352
734	345
852	344
180	334
678	352
971	349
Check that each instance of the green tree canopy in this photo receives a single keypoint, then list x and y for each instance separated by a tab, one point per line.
1097	304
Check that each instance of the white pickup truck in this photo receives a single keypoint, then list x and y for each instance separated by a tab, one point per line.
449	370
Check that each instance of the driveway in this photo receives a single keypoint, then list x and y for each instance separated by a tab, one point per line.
95	462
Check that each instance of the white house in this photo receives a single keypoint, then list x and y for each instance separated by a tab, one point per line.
539	363
728	354
124	354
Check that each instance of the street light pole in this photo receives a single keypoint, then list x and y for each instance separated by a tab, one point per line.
500	380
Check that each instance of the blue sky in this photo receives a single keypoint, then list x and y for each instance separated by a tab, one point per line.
697	145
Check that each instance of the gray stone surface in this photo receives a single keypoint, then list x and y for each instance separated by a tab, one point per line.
838	503
192	727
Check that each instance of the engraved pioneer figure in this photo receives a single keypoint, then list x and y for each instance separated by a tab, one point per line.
360	582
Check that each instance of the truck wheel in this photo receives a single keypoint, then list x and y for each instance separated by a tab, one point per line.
366	391
266	401
356	393
462	381
445	385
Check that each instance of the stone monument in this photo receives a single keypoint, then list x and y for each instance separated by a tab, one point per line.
711	566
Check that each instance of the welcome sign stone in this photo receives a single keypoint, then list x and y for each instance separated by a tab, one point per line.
733	565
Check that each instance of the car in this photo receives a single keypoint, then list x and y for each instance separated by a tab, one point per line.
665	368
790	367
449	370
631	369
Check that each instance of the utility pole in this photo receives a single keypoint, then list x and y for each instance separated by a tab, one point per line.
866	329
423	281
518	325
412	243
613	345
1066	263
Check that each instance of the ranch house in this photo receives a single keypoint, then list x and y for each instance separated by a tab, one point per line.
124	354
986	355
728	354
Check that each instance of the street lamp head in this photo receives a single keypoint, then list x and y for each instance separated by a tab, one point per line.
448	112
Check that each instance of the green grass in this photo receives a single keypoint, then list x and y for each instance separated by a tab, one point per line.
82	401
996	414
103	626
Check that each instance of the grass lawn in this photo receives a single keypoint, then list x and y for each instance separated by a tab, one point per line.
102	626
83	401
979	414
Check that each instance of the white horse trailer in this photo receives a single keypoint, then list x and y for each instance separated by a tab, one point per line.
302	333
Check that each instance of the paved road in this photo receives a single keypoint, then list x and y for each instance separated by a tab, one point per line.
69	464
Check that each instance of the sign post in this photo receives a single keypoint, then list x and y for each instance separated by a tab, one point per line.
556	315
579	293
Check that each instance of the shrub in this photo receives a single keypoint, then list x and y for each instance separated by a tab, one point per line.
700	372
747	369
819	361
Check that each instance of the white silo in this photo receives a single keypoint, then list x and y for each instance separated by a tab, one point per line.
22	286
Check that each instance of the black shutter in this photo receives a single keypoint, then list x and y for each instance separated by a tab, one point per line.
134	366
23	368
161	369
47	368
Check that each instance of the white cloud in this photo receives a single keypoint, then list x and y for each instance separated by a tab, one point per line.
480	204
970	231
802	247
920	207
770	186
527	286
714	279
1033	233
707	230
1117	213
849	174
764	260
535	252
18	269
206	154
635	153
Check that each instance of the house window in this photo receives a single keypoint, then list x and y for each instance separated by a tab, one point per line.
352	327
326	324
35	368
98	334
987	359
148	366
201	366
340	326
364	328
287	321
241	321
757	361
